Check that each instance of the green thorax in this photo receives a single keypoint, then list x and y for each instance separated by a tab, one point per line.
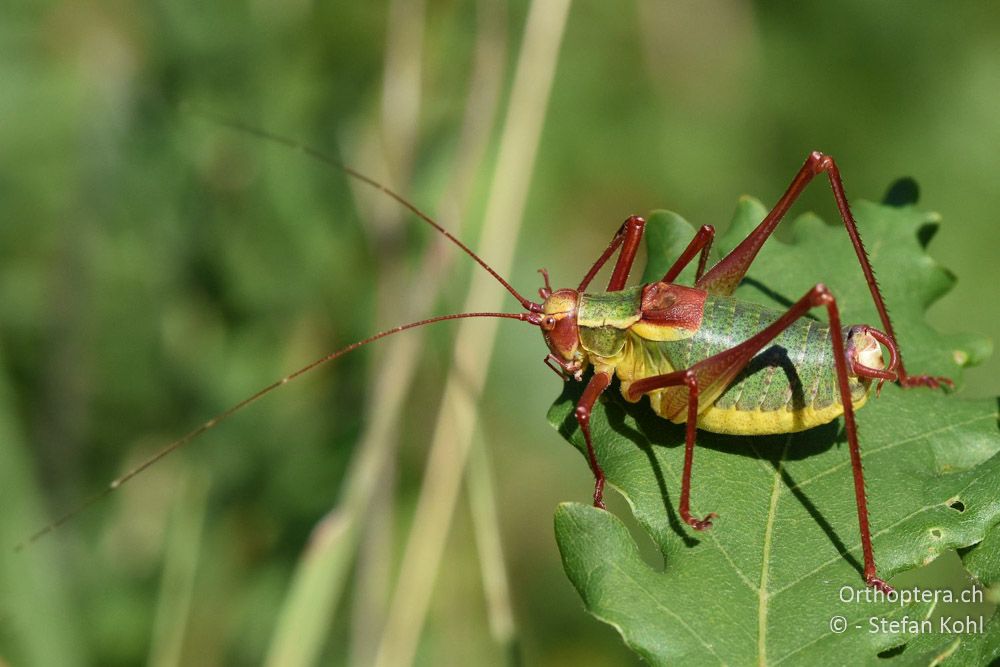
604	319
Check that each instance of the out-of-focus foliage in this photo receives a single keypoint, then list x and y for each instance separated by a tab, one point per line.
155	268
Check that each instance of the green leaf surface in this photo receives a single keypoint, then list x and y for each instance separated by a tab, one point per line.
980	645
763	585
982	561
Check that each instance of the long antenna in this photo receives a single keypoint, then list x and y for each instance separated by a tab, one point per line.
229	412
331	161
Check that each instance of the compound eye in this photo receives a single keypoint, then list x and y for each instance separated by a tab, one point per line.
549	323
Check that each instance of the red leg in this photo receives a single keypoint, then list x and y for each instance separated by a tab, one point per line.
690	379
726	275
598	383
871	577
713	374
628	237
702	242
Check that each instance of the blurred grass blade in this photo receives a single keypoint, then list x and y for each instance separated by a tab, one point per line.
393	139
302	625
483	504
180	568
366	475
474	344
37	624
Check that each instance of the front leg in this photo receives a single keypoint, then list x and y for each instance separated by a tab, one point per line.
627	237
598	383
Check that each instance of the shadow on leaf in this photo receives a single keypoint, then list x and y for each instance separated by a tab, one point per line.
640	426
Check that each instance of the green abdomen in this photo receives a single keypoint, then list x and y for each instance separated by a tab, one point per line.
789	386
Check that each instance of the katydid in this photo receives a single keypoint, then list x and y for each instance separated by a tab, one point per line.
710	361
704	358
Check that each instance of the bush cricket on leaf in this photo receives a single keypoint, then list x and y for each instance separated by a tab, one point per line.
704	358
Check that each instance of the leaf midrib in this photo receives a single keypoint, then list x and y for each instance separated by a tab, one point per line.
765	564
766	596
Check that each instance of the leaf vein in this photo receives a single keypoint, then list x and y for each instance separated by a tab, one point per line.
892	445
858	545
655	600
765	560
718	545
824	635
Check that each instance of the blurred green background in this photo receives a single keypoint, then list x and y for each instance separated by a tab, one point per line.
156	268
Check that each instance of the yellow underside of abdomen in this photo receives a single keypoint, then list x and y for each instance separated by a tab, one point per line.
757	422
630	367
